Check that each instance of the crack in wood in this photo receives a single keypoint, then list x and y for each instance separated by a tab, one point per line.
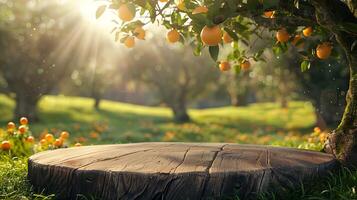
208	176
183	160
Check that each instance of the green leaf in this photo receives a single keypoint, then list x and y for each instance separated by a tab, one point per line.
305	65
100	11
213	52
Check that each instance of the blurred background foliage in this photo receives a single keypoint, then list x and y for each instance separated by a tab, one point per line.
49	48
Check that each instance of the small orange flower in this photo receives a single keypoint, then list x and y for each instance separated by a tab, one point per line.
24	121
317	130
30	139
22	129
43	142
11	126
57	143
49	137
94	135
64	135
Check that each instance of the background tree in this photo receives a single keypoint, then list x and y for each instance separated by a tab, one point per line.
34	39
175	74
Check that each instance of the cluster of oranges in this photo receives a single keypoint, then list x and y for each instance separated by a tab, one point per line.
323	50
21	136
127	13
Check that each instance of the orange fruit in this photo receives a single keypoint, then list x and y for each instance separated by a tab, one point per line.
43	142
323	51
11	125
282	35
49	137
30	139
78	144
307	31
181	5
24	121
139	33
5	145
125	13
64	135
227	38
200	9
129	42
211	36
269	14
245	65
22	129
224	66
57	143
173	36
296	39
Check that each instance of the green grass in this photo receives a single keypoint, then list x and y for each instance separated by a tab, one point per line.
133	123
264	123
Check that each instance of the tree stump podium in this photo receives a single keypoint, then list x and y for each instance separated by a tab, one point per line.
173	170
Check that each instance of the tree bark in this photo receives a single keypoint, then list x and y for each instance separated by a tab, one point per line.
342	142
26	106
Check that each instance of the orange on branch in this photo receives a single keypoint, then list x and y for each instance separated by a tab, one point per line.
5	145
211	36
125	13
173	36
24	121
323	51
129	42
307	31
282	35
245	65
296	39
269	14
227	38
200	9
224	66
139	33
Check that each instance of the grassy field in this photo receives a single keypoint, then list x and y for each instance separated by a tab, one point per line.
264	123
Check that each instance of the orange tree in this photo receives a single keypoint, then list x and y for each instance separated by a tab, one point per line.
326	27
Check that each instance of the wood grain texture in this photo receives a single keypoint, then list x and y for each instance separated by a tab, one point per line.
173	170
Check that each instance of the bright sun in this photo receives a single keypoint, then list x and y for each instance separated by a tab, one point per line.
88	10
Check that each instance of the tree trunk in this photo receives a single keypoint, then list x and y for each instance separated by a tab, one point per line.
180	113
342	142
26	106
96	103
